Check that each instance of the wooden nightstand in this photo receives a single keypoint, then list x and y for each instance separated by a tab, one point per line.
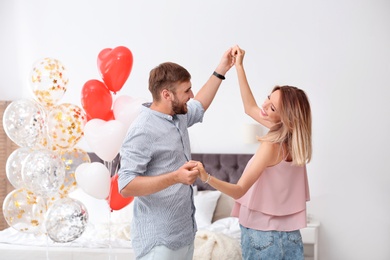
310	240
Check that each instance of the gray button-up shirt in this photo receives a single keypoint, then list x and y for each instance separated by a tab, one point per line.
155	144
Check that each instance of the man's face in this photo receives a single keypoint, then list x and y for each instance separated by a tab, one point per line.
181	96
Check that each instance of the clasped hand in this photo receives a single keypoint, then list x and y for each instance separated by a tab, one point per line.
190	171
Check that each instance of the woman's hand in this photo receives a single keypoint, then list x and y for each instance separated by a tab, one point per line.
238	55
226	62
203	175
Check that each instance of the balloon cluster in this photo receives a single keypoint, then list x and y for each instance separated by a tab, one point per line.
42	168
48	165
107	123
108	119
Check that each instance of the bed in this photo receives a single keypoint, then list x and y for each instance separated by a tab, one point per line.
107	235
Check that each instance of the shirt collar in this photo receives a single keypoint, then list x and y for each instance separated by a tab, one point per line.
146	107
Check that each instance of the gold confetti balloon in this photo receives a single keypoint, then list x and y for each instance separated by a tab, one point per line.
24	211
65	125
72	159
48	81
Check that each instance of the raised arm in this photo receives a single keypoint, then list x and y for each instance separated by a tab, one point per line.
207	93
250	106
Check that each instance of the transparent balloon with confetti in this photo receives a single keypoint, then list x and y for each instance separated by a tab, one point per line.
65	125
24	122
66	220
14	164
72	158
24	211
43	172
48	81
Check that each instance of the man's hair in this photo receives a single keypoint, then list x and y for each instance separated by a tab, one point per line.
165	76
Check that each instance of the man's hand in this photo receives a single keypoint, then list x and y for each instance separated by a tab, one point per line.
188	173
203	175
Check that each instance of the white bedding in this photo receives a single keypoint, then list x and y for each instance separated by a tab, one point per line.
102	240
212	245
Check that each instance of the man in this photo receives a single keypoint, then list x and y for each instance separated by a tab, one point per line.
155	162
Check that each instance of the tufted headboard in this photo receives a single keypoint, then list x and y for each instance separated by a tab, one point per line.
227	167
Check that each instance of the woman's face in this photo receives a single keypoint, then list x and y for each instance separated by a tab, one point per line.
270	110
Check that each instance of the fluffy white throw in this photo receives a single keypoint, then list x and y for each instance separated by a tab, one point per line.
212	246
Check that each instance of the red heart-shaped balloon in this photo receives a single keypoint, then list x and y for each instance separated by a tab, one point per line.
115	199
96	100
115	66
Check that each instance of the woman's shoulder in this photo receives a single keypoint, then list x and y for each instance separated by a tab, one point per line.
270	146
271	152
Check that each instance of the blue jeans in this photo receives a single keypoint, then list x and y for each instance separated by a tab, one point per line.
273	245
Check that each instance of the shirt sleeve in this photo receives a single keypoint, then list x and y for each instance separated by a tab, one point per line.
133	162
195	112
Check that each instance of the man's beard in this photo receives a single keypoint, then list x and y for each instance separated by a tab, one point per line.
179	109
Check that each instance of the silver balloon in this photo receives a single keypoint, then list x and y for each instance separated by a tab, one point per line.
14	164
43	172
23	122
66	220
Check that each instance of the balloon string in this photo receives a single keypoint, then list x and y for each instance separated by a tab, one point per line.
47	246
46	232
109	234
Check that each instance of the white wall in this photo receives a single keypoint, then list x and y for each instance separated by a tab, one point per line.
338	51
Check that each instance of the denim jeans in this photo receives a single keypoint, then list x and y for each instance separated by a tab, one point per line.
271	245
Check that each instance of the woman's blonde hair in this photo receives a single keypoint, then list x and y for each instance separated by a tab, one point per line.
294	130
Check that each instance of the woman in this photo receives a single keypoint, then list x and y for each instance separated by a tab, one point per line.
272	192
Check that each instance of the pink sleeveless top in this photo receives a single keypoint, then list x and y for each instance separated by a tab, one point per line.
276	201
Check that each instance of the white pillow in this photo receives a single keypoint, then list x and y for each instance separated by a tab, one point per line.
205	203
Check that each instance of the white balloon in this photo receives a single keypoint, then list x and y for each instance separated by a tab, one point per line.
104	137
126	109
94	179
